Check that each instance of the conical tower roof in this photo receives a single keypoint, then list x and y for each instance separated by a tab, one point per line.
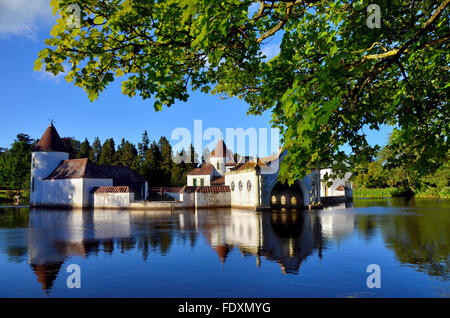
221	150
50	141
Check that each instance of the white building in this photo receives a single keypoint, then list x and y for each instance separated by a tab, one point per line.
253	183
57	180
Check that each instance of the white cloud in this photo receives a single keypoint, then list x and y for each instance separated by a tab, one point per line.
22	17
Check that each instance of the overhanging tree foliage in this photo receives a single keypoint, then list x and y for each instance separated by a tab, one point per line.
333	77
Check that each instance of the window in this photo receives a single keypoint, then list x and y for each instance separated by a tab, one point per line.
293	201
232	185
240	186
202	182
274	199
249	185
218	166
32	184
195	182
283	200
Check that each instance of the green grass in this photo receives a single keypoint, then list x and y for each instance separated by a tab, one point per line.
373	193
359	192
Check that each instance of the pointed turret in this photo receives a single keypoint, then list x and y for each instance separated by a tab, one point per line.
221	150
50	141
46	156
221	156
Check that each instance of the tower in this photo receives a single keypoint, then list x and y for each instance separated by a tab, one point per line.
220	156
46	156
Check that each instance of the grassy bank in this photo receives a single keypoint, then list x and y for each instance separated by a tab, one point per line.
359	192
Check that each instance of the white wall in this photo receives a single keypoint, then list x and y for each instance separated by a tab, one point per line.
243	198
67	192
60	192
88	184
221	161
207	178
42	164
331	191
113	200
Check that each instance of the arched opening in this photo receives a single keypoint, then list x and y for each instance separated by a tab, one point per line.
286	197
287	224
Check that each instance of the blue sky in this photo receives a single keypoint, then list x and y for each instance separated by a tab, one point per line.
29	99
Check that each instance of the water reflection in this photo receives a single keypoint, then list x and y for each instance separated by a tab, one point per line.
285	237
45	239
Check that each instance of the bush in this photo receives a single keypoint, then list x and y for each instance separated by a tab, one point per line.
402	192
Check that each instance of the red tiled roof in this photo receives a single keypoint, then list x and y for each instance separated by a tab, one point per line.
247	165
204	169
114	189
205	189
50	141
213	189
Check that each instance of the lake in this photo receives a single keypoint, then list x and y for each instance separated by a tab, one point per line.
229	252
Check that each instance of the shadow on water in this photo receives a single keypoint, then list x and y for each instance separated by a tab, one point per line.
45	239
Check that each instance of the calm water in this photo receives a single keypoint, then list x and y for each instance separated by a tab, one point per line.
229	253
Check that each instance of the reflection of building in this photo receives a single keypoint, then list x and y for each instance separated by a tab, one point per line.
336	224
287	238
55	235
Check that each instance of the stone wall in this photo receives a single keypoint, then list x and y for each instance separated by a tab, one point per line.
113	200
212	199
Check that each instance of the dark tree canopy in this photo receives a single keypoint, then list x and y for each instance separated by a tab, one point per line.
333	78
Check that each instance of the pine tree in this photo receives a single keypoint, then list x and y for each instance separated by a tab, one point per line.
72	146
127	154
85	149
166	160
108	156
152	165
96	151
